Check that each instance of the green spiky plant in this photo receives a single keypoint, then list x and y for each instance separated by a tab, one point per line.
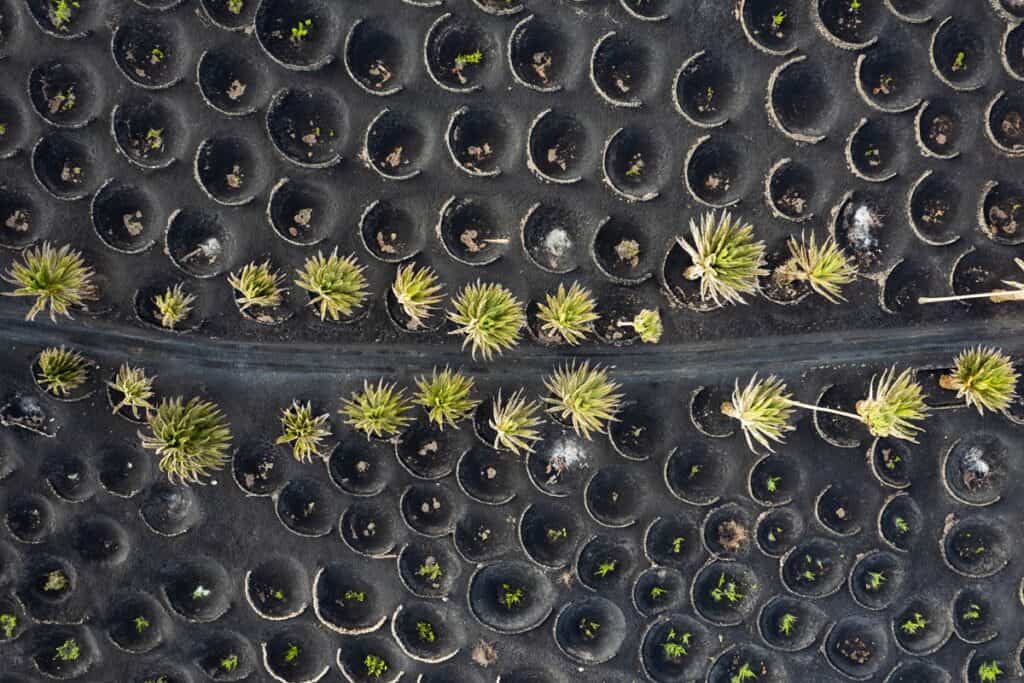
378	410
990	671
585	396
726	258
192	439
488	316
647	324
825	267
8	623
568	313
68	651
418	292
893	405
173	305
375	666
984	378
336	284
304	431
763	409
60	371
58	279
1014	292
257	285
135	388
445	396
515	422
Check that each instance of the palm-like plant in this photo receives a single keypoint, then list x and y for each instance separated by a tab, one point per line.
60	371
825	267
489	317
984	377
893	405
446	396
515	422
569	314
377	410
418	292
585	396
257	285
135	388
336	284
191	438
647	324
58	279
1014	292
763	409
173	305
726	258
304	431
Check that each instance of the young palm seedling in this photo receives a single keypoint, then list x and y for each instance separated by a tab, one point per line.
257	285
1015	292
173	306
489	317
726	259
824	267
647	324
58	279
60	371
191	438
375	666
304	431
418	292
135	389
377	410
515	423
585	396
336	285
893	406
445	396
984	377
569	314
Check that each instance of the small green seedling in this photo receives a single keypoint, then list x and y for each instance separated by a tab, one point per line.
647	324
677	545
446	396
418	291
960	61
874	581
557	534
474	57
375	666
378	410
3	129
200	592
360	596
235	6
55	581
855	5
156	56
511	597
914	624
990	671
605	568
745	673
901	525
68	651
676	644
304	431
135	389
155	139
229	663
337	285
192	439
61	13
585	396
430	570
657	593
8	623
726	589
60	371
301	30
778	19
425	631
972	613
772	483
277	594
787	623
694	471
588	628
141	624
515	423
291	653
58	279
173	306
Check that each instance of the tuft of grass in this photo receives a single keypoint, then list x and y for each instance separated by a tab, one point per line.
418	292
58	279
825	267
135	388
647	324
337	285
60	371
304	431
173	305
984	377
763	409
726	259
191	438
68	651
446	396
586	396
489	317
515	423
377	410
257	285
893	405
569	314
